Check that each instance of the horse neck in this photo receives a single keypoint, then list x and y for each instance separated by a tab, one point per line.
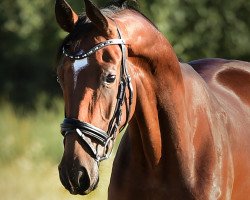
160	117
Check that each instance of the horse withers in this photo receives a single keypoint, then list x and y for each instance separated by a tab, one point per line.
189	123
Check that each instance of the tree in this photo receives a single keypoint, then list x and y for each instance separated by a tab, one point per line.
30	38
205	28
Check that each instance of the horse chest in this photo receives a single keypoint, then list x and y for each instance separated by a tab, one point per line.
146	187
136	181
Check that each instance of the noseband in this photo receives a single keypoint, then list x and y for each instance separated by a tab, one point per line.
87	131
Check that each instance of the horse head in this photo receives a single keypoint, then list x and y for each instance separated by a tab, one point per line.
181	142
93	74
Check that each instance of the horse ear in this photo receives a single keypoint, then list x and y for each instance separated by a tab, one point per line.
95	15
65	16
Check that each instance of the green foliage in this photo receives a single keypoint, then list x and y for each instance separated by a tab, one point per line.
30	145
35	136
205	28
30	150
30	38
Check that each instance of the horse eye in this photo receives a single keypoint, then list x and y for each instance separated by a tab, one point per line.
106	57
110	78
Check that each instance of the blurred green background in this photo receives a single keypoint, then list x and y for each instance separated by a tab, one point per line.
31	107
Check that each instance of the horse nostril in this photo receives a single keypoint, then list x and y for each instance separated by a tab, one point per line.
83	180
76	180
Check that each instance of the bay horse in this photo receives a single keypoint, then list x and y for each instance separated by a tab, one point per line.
189	123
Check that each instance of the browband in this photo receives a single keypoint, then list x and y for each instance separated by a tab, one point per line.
99	46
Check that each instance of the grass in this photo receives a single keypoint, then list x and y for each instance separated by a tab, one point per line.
30	150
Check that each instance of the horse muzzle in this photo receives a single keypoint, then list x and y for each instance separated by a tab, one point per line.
77	180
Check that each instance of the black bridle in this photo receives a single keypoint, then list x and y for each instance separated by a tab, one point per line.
86	130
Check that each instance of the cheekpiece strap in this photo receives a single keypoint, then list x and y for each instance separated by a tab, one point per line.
85	129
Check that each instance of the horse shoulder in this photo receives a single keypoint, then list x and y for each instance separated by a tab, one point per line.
213	168
229	83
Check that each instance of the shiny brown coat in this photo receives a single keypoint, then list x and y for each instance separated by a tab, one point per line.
189	130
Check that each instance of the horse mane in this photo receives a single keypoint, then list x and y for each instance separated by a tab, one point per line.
116	6
122	3
119	5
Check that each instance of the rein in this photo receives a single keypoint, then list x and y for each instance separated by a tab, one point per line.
86	130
